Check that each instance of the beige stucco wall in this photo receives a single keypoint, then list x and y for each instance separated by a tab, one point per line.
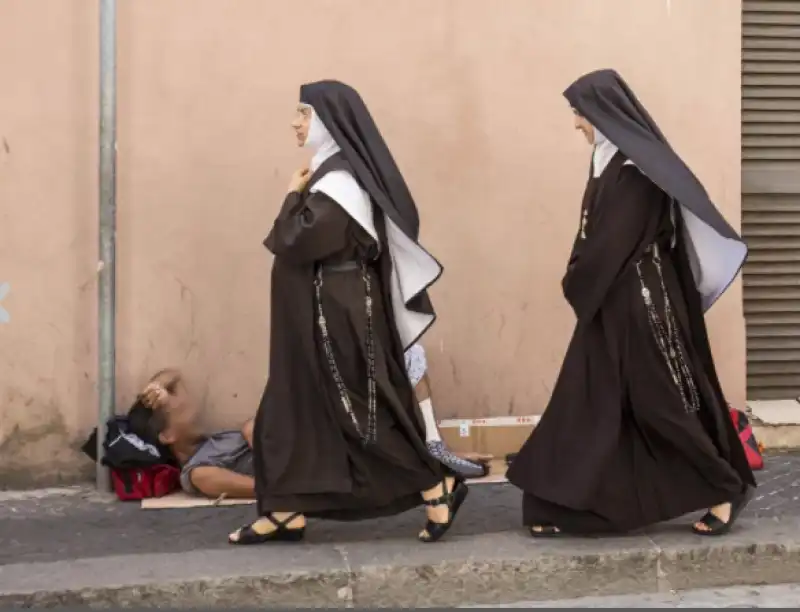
467	93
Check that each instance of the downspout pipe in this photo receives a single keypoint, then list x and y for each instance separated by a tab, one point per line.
106	307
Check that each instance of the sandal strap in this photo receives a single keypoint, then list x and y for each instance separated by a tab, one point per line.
281	525
712	521
445	499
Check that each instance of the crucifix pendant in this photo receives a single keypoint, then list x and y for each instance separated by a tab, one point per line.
583	224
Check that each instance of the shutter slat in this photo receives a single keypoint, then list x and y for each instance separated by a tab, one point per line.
774	368
775	20
772	257
773	229
756	119
766	141
769	319
775	268
766	308
770	129
780	342
770	154
772	355
771	44
760	91
771	33
750	7
771	281
769	55
770	68
769	104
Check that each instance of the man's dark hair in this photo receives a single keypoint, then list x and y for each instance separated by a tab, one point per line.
146	422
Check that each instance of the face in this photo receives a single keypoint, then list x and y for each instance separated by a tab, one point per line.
582	125
301	123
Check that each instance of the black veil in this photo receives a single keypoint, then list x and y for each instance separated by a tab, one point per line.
414	270
344	113
716	251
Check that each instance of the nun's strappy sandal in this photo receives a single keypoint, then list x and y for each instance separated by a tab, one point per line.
545	531
715	526
434	531
282	533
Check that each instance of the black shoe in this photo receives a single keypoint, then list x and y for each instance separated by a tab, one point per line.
718	527
281	533
453	500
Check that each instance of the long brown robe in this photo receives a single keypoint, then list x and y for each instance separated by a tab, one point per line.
616	448
308	455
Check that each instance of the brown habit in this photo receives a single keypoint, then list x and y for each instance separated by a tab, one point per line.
309	457
616	448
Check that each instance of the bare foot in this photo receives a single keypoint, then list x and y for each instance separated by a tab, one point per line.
263	526
722	512
542	529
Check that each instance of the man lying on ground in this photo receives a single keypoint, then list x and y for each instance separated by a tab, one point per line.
211	465
221	464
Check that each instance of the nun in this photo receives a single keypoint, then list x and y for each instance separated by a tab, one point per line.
338	433
637	430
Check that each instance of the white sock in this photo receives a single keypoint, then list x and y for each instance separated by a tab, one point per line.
431	429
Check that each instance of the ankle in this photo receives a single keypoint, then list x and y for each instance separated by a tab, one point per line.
433	493
291	520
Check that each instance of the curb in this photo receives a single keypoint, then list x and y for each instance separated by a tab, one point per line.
488	569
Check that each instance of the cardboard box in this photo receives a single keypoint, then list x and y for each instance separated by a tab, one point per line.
496	436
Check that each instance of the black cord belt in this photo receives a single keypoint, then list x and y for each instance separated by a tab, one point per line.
342	266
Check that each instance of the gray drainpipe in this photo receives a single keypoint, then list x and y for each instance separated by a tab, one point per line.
106	307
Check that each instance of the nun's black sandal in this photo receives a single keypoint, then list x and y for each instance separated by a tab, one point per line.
281	533
434	531
545	531
715	526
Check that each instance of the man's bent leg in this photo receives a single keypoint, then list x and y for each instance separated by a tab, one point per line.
417	366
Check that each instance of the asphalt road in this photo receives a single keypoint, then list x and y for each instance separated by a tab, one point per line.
778	596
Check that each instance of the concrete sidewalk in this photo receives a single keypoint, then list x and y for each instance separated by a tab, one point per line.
73	547
491	569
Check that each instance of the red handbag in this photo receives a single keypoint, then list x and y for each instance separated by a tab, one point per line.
752	448
131	484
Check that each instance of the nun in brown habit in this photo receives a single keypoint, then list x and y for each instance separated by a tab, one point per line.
338	433
637	430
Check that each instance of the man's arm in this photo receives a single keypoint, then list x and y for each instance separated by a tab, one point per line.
214	481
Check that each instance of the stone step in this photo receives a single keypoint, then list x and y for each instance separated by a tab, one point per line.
776	423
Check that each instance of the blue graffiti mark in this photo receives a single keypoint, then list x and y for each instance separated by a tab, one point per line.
5	288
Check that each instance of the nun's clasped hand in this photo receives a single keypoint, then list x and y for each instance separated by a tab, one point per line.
299	179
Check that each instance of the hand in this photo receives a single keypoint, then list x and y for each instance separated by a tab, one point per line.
154	395
299	179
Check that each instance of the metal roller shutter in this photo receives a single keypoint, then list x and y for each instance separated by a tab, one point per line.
771	195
